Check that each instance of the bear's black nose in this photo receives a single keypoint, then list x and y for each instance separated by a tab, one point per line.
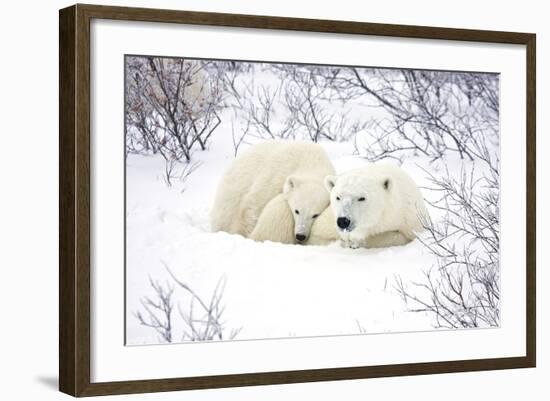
343	222
300	237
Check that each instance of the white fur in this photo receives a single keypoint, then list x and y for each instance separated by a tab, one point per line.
379	198
291	171
324	232
276	222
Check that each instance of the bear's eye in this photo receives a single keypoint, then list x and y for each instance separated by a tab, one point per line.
315	216
361	199
297	212
337	198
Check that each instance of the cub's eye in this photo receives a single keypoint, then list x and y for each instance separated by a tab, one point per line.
361	199
297	212
337	198
315	216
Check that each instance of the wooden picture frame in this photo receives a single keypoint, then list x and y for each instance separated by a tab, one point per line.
74	199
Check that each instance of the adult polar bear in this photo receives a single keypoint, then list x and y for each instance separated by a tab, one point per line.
378	205
283	182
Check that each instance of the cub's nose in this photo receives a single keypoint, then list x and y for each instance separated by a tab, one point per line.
343	222
300	237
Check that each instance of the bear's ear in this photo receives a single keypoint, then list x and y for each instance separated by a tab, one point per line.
387	183
330	182
291	182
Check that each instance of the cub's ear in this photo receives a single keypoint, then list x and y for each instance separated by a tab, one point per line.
330	182
387	184
291	182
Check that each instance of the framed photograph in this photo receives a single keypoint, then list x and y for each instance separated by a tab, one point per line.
250	200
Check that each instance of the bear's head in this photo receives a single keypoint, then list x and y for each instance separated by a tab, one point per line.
307	199
357	200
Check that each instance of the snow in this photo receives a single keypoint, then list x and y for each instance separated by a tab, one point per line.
272	290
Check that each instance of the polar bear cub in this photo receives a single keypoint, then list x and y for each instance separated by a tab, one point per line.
378	198
289	216
271	178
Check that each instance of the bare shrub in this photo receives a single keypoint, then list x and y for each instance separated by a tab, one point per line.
299	106
201	319
239	138
158	312
463	288
171	106
312	107
255	106
204	319
430	113
175	170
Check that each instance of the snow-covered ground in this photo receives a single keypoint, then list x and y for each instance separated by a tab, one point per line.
271	290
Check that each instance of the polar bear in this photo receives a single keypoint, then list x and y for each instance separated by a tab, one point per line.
378	198
275	176
324	232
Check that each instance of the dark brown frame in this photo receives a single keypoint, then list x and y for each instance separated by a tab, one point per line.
74	199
